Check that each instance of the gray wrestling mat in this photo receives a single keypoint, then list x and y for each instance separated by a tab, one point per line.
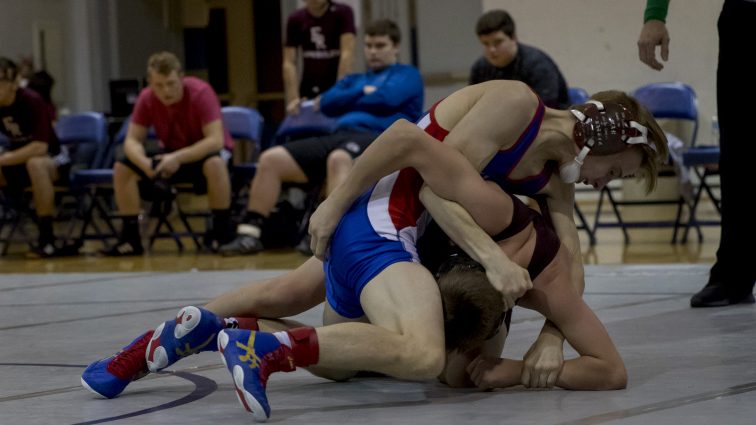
685	366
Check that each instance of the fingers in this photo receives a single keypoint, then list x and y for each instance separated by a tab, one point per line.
665	50
552	379
539	377
646	54
476	370
526	376
319	246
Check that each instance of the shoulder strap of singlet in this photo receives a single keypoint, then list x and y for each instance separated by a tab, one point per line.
507	159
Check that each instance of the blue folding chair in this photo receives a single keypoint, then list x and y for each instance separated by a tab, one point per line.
307	123
666	101
95	188
577	95
245	125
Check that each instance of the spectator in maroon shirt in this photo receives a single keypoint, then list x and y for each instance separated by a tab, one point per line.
194	147
33	156
323	32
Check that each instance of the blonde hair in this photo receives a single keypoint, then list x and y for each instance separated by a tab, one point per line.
652	156
164	63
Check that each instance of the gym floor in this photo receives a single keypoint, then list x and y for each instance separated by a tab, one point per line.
58	315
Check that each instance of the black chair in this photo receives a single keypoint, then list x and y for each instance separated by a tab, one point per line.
578	96
672	103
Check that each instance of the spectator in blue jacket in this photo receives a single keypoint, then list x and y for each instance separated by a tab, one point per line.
364	104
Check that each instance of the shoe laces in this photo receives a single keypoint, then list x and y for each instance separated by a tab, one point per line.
130	363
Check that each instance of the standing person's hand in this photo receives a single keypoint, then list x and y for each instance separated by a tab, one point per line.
293	107
654	33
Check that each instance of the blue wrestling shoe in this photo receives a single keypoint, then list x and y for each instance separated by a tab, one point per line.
194	330
108	377
251	357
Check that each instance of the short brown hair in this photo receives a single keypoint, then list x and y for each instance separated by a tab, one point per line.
387	27
8	70
652	157
164	63
495	20
473	308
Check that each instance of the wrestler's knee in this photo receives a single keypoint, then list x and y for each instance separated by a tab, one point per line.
421	359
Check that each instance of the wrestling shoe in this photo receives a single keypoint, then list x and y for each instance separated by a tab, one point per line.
251	357
194	330
243	244
108	377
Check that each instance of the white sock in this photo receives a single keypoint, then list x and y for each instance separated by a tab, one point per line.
283	338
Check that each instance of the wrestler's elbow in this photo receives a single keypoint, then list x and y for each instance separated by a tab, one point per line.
406	133
616	378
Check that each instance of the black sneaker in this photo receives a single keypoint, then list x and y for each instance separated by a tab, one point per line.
303	247
242	245
47	250
716	295
124	249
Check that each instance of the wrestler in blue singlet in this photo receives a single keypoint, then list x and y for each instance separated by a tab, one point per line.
380	228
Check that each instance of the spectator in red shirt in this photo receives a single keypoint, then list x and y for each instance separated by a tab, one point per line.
194	147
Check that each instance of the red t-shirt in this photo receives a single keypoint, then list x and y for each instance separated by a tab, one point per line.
180	125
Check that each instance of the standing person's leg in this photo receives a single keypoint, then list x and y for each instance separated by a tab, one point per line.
732	276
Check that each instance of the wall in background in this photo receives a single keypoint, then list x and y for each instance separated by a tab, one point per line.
592	41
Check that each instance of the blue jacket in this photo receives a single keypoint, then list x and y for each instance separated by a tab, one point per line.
398	94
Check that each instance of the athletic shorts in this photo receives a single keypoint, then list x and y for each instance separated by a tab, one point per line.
311	154
357	254
17	177
190	172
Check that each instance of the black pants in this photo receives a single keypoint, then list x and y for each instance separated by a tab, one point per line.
736	85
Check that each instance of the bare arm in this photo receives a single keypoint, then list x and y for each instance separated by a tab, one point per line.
599	366
472	113
346	58
654	33
544	360
211	143
394	149
22	154
291	80
506	276
133	148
